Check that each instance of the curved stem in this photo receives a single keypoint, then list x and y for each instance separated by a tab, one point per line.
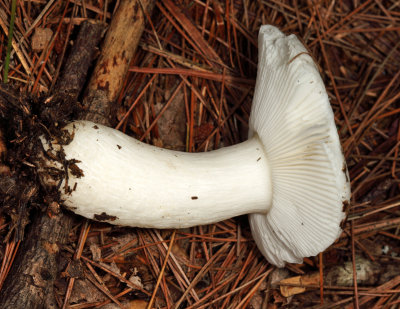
128	182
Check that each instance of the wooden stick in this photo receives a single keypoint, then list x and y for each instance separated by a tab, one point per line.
119	46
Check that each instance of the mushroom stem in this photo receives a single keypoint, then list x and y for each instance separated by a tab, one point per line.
128	182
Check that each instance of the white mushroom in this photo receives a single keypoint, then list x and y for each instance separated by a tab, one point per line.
310	185
290	175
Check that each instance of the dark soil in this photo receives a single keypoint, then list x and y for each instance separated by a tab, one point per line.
23	120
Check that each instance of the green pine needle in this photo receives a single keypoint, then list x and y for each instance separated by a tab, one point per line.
9	43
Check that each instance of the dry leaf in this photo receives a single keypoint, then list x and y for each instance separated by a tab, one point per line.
256	301
85	291
96	252
134	304
137	304
113	267
342	275
41	38
172	124
135	279
180	253
123	240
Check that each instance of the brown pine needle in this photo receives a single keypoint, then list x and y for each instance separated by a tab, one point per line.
194	72
160	276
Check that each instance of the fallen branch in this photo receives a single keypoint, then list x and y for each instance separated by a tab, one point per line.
31	279
120	44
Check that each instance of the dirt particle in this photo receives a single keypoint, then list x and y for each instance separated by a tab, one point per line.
345	209
95	127
75	269
259	159
104	217
75	170
195	197
345	206
119	147
344	170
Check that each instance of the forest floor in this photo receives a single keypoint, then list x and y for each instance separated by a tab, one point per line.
190	87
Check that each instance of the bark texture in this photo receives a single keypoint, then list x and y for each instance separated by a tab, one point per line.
30	282
77	65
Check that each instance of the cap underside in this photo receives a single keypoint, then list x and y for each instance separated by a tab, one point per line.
292	116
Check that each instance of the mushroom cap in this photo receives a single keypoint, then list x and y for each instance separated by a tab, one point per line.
292	116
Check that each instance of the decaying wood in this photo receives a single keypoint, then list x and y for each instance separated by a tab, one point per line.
30	282
31	279
77	65
119	46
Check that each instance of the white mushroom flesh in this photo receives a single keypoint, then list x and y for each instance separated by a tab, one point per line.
128	182
292	115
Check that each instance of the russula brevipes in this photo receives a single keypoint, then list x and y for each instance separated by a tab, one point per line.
290	175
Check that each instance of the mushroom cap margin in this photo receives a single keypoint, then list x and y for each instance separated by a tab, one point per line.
292	116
